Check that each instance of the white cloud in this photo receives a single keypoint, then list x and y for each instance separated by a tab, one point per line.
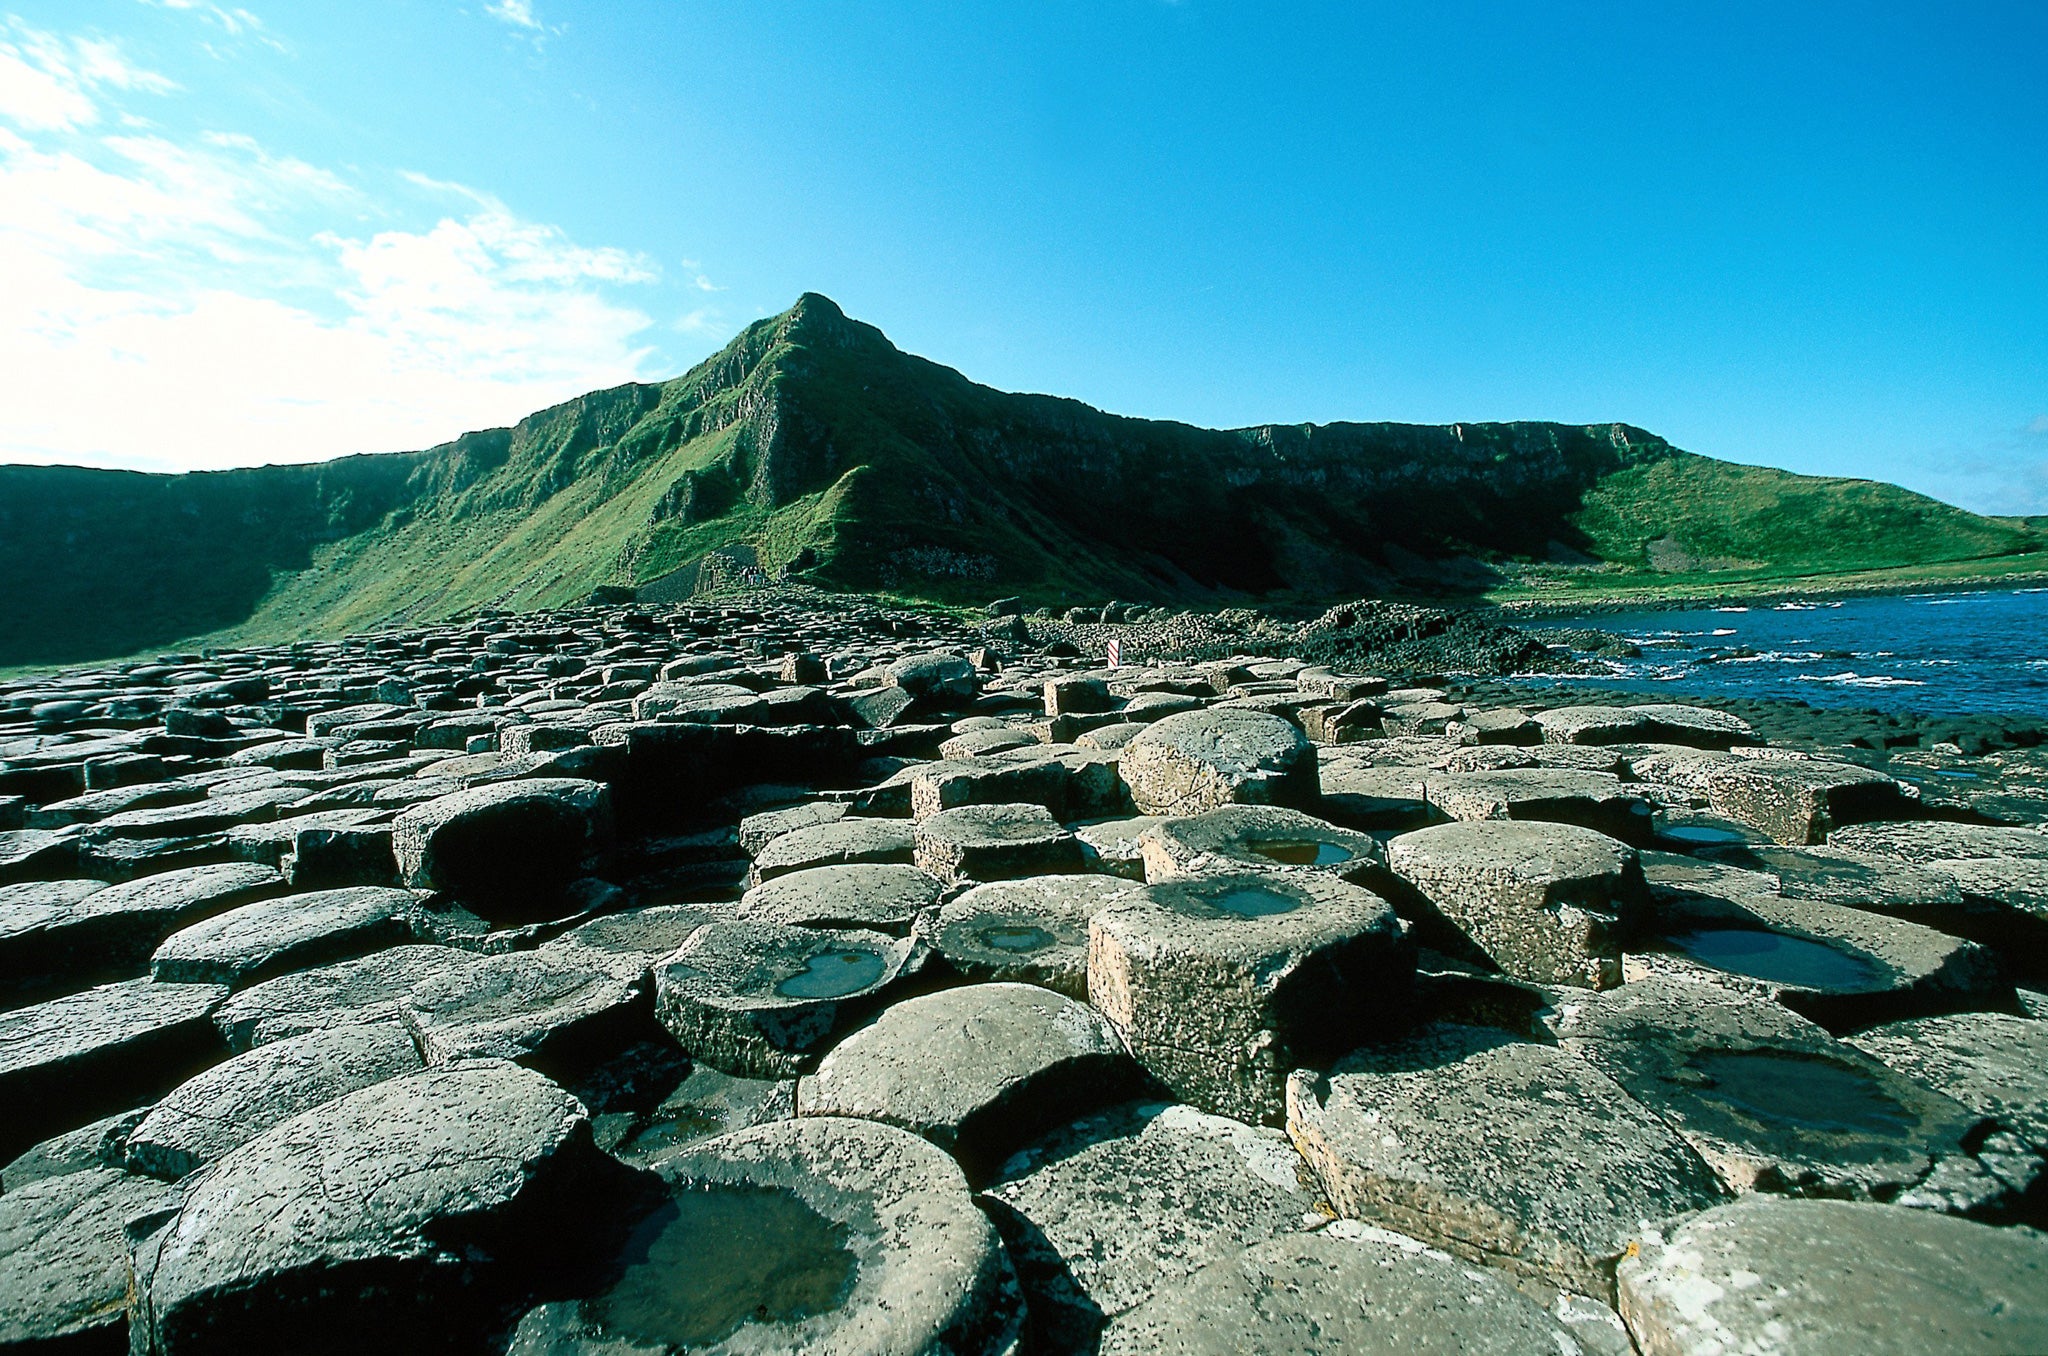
518	13
47	83
206	302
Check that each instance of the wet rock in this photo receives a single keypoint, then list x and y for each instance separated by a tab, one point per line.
1222	984
842	843
507	849
1030	931
1347	1287
884	898
1548	903
237	1100
77	1058
994	842
702	1105
289	932
1510	1153
64	1259
1773	1103
762	1000
1993	1063
978	1071
1102	1214
1202	760
1255	838
351	992
404	1215
1795	1276
820	1235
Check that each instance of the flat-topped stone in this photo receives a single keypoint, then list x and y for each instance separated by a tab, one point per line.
1548	903
75	1059
1506	1152
1824	1276
1031	931
758	830
884	897
1654	723
506	849
994	842
1222	984
555	1010
64	1259
237	1100
821	1235
1993	1063
1926	840
842	842
1595	800
1255	838
1202	760
347	993
288	932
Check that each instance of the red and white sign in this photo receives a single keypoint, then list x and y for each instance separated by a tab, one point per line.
1116	653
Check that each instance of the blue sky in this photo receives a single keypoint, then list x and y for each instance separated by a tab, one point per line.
1804	235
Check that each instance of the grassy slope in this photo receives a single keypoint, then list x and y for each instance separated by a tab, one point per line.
810	431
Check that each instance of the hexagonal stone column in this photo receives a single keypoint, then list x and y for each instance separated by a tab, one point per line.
290	932
1800	800
1787	1275
64	1259
1255	838
823	1234
1032	931
1507	1152
994	842
1223	984
1200	760
1548	903
506	849
884	898
1594	800
979	1070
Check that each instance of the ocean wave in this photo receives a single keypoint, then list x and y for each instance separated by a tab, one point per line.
1795	607
1722	631
1858	680
1731	609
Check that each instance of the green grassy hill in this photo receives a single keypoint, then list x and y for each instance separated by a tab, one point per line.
811	441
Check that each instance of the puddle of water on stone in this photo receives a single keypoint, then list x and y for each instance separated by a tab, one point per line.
833	974
1795	1090
1301	852
708	1262
1778	958
1253	901
682	1127
1017	939
1701	835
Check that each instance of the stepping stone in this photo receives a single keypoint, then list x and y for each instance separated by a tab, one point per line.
1801	801
97	1144
102	933
762	1001
1842	967
978	742
1774	1104
1514	1154
1656	723
64	1259
78	1058
215	814
1203	760
1031	931
235	1101
823	1234
1347	1287
289	932
1364	797
352	992
1825	1276
1507	726
1255	838
399	1217
1102	1214
1400	718
704	1105
1115	846
994	842
939	676
1548	903
845	842
1927	840
1077	695
556	1011
759	830
884	898
505	850
978	1071
1594	800
1859	880
630	942
1992	1063
937	787
1221	985
36	854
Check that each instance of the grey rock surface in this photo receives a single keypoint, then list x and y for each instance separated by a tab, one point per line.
1202	760
1255	838
840	843
347	993
504	849
994	842
64	1259
1031	931
880	897
290	932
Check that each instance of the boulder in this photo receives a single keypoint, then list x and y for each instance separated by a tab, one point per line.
1222	984
1502	1151
235	1101
288	932
979	1070
1823	1276
1549	903
1202	760
505	849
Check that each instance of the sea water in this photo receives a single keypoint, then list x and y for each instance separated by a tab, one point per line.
1950	652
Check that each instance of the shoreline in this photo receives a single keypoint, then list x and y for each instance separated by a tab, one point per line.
1520	611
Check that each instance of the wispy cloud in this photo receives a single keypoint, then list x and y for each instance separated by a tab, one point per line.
208	301
518	13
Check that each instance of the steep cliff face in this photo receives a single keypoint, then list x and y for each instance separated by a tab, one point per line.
812	440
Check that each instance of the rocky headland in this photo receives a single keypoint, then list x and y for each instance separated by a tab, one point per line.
795	972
